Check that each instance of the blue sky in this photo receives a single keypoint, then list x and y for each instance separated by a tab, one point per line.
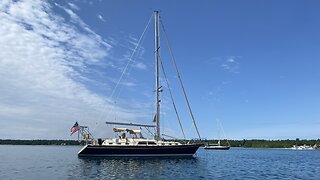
252	65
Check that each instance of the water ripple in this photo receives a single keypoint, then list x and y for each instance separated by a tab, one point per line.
61	162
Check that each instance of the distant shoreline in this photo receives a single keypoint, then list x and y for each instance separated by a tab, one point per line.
39	142
253	143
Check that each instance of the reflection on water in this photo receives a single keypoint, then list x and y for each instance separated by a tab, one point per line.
132	168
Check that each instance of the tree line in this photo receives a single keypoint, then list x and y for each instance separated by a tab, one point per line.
260	143
39	142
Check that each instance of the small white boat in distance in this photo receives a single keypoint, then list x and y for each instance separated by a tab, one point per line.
217	146
303	147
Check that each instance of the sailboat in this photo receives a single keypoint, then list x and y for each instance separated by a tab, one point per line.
131	142
218	146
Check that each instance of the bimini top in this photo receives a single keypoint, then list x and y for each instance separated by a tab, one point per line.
131	131
119	129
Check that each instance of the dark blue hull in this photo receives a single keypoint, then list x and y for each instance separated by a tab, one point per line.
218	148
139	151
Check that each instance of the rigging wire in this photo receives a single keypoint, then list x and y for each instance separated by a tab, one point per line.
130	59
223	132
171	96
128	72
181	84
127	65
153	134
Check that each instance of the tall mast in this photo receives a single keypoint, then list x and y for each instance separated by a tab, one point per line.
156	30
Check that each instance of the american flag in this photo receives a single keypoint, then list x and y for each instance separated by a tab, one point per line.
75	128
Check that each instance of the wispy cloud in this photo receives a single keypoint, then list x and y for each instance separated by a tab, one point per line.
101	18
140	65
42	60
218	91
130	84
228	65
73	6
231	65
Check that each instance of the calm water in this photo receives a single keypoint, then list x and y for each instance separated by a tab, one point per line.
61	162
